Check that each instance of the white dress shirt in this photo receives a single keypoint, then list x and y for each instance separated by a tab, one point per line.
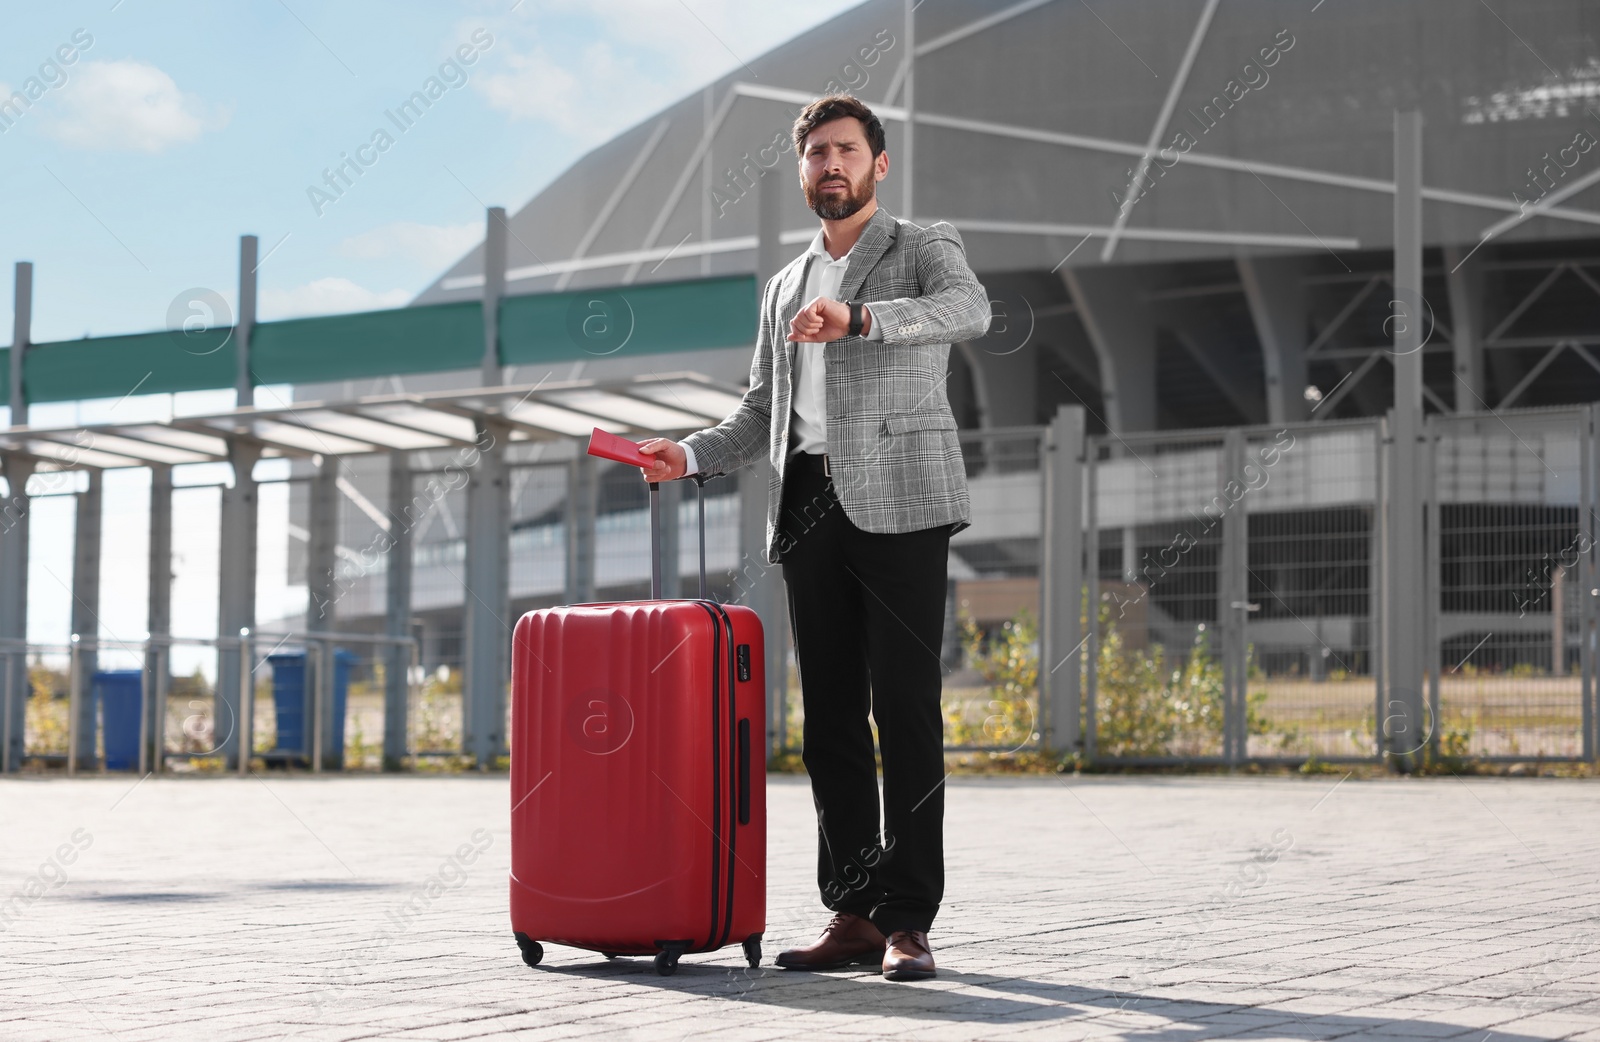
809	396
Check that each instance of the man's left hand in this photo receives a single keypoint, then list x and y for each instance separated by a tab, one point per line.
822	320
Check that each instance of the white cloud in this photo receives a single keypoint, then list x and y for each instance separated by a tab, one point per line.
646	54
328	296
435	245
129	106
600	91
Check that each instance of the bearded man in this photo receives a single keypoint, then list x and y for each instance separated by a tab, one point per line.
867	487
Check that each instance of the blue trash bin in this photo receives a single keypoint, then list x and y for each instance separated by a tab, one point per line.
291	702
117	691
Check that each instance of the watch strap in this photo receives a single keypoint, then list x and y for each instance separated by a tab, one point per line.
856	318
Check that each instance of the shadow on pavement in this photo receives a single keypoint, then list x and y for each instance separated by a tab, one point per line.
985	998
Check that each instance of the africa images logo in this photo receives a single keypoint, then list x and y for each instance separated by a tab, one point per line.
599	721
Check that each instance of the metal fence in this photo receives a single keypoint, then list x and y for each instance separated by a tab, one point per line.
1219	596
1511	574
1211	596
321	701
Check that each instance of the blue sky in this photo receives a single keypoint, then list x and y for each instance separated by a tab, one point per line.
175	127
183	125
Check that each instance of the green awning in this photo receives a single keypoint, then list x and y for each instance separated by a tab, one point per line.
653	318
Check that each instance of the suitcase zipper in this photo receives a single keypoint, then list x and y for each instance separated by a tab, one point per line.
716	775
719	901
733	796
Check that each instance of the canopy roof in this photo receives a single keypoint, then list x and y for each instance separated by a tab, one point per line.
643	405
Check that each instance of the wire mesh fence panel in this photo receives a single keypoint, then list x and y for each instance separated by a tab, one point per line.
1158	518
47	721
360	571
1511	546
1311	629
991	643
438	569
193	724
538	533
52	527
438	547
280	558
196	559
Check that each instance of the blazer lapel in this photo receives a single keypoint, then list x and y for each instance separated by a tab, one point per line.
788	307
875	240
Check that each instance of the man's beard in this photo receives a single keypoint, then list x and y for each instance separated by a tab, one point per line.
838	206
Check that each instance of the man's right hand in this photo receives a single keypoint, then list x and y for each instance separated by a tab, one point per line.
671	460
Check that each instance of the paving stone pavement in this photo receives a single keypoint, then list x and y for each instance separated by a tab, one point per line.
1145	908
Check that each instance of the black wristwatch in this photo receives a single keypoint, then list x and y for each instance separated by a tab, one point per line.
856	318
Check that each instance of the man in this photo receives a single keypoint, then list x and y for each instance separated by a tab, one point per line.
868	486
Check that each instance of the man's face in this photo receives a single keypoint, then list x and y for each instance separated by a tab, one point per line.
838	171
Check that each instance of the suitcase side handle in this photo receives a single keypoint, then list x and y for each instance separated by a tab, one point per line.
744	771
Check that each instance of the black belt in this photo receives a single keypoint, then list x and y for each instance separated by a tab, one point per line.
811	462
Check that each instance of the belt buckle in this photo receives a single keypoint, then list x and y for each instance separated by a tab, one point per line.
826	472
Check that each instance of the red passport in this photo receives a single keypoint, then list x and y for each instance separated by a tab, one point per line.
616	447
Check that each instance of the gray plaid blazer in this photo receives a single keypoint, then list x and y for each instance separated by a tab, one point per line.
892	445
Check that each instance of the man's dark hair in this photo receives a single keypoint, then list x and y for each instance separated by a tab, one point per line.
833	106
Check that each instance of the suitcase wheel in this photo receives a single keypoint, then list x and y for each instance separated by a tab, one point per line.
666	963
532	950
610	956
752	950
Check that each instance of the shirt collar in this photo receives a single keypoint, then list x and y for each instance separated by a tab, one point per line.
820	249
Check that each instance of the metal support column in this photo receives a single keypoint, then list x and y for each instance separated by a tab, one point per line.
397	615
322	546
1091	566
1405	721
1274	289
582	490
243	383
86	607
14	540
322	606
910	95
236	593
1588	581
14	606
1377	584
1233	602
1464	280
1117	319
21	339
487	637
1061	591
158	618
1432	577
494	287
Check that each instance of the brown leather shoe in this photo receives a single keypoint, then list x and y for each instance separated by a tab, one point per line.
847	940
907	956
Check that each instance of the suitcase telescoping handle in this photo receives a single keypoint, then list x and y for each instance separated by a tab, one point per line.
655	536
614	447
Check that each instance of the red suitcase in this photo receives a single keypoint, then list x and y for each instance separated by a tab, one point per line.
638	775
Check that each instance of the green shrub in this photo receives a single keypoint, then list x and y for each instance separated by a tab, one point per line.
1152	703
1010	669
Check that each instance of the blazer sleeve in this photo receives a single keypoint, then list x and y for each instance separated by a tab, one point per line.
954	305
745	434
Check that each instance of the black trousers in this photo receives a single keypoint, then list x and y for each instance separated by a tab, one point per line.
867	612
